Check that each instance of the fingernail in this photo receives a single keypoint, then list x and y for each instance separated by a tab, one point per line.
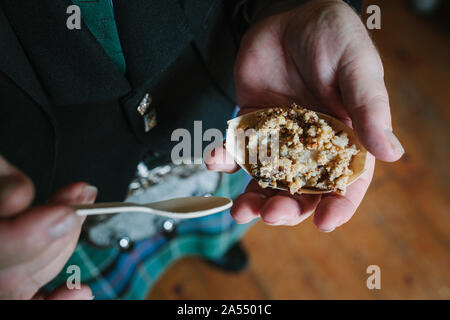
394	142
89	194
65	226
326	231
278	223
7	185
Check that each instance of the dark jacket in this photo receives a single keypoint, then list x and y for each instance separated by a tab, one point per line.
68	114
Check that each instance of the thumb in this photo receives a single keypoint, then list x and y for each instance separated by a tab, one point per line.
366	99
30	233
219	159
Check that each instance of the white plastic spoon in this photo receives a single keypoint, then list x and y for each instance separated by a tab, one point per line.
178	208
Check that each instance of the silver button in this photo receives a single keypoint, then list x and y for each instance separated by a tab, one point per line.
149	120
144	105
147	113
168	225
125	243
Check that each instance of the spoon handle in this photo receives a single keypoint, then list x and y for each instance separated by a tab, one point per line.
107	208
182	208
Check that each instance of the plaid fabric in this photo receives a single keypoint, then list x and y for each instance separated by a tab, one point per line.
116	274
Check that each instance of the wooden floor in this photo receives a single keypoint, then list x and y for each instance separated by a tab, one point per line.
403	225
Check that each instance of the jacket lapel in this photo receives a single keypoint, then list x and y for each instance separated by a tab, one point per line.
71	64
14	63
153	34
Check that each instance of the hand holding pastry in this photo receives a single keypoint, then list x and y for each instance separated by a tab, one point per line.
318	54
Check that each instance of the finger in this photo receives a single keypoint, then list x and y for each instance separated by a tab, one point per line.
51	261
40	227
247	206
64	293
220	160
60	251
16	189
46	266
27	236
285	209
24	279
334	210
37	253
365	96
308	204
76	193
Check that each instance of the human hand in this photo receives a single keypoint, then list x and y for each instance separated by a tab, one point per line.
36	242
317	55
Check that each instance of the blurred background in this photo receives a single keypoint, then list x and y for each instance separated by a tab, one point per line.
403	224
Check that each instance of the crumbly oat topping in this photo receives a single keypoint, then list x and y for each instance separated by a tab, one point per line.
311	154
